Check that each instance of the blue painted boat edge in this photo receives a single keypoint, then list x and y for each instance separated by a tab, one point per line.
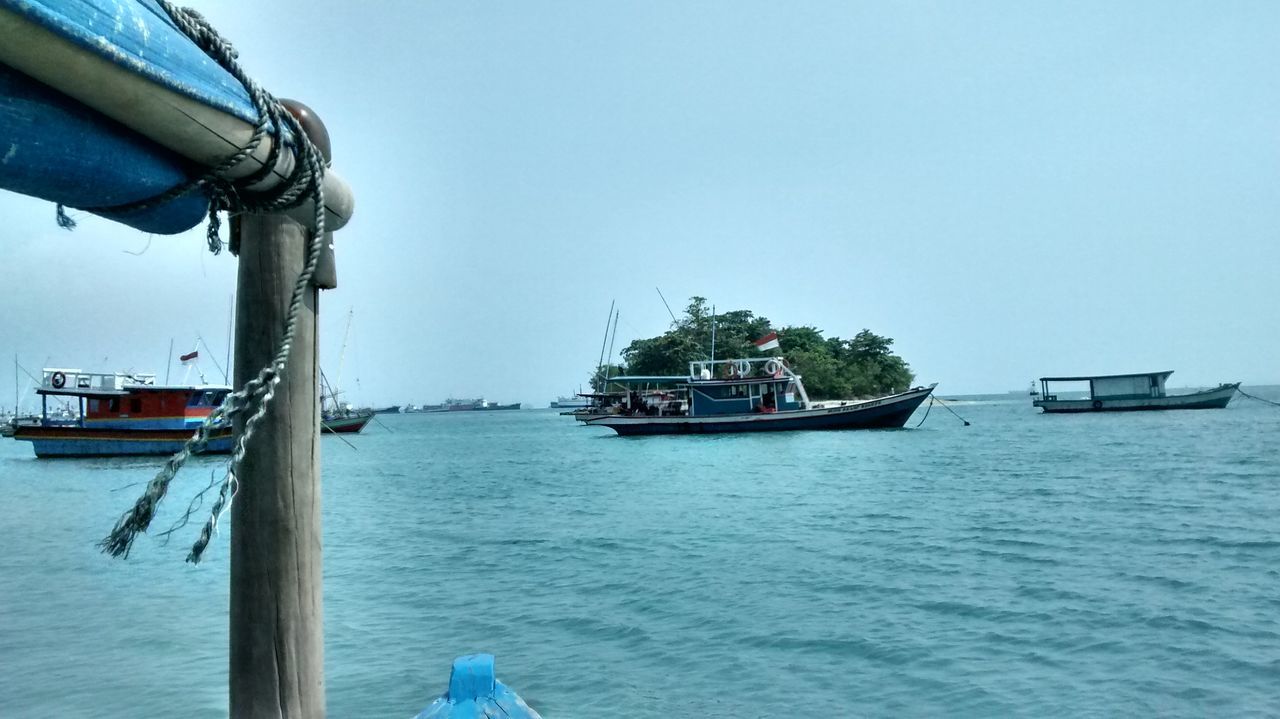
144	40
73	441
58	448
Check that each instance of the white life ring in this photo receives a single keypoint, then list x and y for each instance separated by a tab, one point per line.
744	368
773	367
58	380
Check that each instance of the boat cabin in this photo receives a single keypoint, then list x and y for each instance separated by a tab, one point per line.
124	400
716	387
1143	385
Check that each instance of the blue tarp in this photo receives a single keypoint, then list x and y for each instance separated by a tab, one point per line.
54	148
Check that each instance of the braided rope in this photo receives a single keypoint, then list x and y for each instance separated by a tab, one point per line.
254	398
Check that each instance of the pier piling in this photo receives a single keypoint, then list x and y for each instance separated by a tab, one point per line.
276	619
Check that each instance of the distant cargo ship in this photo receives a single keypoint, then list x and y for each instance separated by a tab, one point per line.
467	405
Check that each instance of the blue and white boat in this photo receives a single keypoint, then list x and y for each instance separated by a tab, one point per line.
748	395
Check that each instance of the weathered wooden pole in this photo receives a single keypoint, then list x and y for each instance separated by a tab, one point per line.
277	620
277	609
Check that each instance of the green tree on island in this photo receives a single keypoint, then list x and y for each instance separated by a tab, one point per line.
832	368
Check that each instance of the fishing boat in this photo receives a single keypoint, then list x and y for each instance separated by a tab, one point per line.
750	395
120	414
1129	393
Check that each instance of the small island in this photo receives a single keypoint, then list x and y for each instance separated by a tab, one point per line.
833	368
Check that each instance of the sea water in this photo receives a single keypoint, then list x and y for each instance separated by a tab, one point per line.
1026	565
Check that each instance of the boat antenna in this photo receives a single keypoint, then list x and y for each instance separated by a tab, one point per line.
664	304
168	365
212	358
605	339
713	333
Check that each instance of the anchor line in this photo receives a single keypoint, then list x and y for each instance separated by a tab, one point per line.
1267	401
927	410
948	408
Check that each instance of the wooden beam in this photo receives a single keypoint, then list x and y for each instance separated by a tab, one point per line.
277	625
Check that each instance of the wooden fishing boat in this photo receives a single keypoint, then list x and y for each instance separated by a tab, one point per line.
1129	393
118	414
751	395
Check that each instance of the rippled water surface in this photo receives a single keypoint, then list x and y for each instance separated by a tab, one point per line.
1027	565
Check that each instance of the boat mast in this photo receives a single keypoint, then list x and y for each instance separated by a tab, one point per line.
608	367
231	313
342	356
603	341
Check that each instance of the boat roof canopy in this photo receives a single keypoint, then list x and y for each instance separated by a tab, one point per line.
1086	378
128	390
647	379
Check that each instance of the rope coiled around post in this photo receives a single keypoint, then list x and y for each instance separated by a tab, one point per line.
253	399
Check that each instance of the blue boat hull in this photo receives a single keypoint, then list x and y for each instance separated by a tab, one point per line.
93	442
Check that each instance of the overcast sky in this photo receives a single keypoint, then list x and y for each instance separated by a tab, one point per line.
1007	189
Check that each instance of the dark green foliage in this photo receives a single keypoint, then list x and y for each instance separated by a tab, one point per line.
832	368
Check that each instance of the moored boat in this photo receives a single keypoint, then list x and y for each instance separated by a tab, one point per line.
750	395
344	424
121	414
1129	393
337	417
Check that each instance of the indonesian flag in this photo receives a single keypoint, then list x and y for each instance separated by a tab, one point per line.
189	357
768	342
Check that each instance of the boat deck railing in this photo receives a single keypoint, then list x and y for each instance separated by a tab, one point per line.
64	379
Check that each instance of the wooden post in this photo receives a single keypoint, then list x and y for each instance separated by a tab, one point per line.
277	625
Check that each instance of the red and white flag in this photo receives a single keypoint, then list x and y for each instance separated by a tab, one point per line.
768	342
189	357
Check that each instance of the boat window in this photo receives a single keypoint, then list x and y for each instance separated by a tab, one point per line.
193	399
135	405
93	405
113	405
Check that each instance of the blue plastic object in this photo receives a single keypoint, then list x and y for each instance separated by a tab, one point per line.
474	693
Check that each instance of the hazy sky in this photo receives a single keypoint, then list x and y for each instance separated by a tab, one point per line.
1006	189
